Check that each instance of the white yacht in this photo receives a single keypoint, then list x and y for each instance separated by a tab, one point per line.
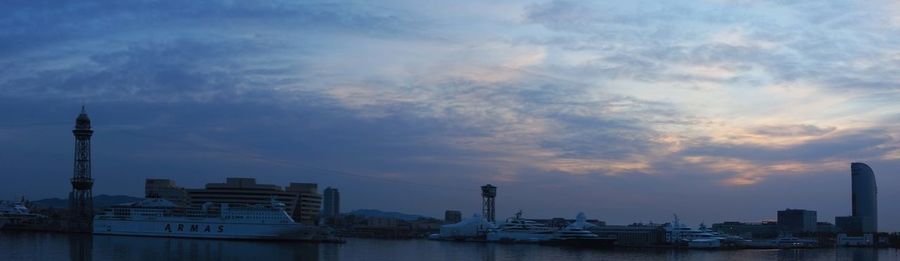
576	234
783	241
576	230
518	229
679	234
705	243
16	214
13	208
789	241
160	217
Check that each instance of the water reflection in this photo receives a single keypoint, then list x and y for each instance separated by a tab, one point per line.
45	246
488	252
857	254
81	247
146	248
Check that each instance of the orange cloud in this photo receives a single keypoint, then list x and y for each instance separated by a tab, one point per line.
747	172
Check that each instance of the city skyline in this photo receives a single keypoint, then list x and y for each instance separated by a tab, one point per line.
712	110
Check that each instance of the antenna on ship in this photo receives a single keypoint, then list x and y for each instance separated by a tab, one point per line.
675	229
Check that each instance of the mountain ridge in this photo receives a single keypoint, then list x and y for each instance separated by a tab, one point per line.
100	201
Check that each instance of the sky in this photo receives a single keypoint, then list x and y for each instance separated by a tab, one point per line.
629	111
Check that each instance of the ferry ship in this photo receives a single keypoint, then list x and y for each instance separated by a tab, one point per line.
162	218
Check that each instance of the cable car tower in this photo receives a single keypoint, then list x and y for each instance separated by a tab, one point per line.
488	193
81	206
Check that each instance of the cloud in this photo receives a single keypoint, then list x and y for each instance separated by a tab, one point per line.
165	71
845	146
715	96
794	130
629	107
749	164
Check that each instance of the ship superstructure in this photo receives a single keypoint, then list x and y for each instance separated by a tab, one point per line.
518	229
15	215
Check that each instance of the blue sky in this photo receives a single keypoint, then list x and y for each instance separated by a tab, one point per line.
629	111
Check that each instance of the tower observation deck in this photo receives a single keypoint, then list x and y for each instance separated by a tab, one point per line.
488	194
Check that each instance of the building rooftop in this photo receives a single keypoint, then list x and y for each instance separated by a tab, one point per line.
242	183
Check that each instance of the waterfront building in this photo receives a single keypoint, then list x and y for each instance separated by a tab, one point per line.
331	208
243	191
797	221
864	200
382	222
633	235
81	201
855	241
389	227
166	189
755	230
825	227
301	200
452	216
309	202
555	222
470	228
848	224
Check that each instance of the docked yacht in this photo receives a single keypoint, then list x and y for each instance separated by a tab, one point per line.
519	230
160	217
577	235
784	241
15	214
681	235
705	243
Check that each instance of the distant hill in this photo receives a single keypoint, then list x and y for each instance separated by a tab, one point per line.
100	201
384	214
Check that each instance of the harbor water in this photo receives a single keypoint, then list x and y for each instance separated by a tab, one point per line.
53	246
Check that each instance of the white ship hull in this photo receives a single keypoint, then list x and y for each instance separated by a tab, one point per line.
706	243
162	218
199	228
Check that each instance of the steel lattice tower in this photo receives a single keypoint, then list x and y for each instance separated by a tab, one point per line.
81	204
488	193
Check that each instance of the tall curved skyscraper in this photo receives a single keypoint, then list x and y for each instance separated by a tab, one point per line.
864	196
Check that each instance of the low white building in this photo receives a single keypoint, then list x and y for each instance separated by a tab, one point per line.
470	228
848	241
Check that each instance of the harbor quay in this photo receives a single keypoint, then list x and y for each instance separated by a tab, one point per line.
67	246
237	209
794	228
